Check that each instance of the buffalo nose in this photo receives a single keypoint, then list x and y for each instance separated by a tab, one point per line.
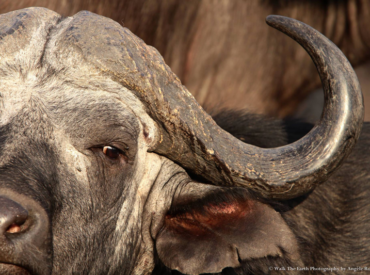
12	216
25	240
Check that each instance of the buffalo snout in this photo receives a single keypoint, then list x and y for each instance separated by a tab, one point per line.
12	217
24	237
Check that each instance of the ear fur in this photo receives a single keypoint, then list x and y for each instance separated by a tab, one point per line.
221	229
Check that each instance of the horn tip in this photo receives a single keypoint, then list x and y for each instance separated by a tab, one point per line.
271	19
278	20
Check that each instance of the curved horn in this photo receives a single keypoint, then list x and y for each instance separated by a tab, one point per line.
295	169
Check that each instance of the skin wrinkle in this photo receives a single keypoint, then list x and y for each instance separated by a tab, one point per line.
177	190
151	211
147	247
164	187
121	229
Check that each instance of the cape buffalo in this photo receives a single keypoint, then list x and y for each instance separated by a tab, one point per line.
223	48
108	165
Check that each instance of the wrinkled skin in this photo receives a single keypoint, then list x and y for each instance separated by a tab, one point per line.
223	48
129	210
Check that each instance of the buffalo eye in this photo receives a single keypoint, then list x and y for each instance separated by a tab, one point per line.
112	152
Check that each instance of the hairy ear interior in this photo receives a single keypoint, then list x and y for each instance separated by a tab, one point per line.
221	230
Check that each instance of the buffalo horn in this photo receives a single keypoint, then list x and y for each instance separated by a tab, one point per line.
285	172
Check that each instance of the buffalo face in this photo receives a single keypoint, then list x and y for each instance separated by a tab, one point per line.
97	141
73	177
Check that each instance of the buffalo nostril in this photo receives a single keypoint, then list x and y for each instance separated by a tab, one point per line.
12	216
14	228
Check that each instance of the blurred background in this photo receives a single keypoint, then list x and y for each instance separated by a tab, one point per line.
227	56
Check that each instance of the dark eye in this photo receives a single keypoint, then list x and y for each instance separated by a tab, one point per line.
111	152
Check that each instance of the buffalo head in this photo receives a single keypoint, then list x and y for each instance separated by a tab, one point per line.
97	141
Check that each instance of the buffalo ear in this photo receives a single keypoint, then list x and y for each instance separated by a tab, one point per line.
211	234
